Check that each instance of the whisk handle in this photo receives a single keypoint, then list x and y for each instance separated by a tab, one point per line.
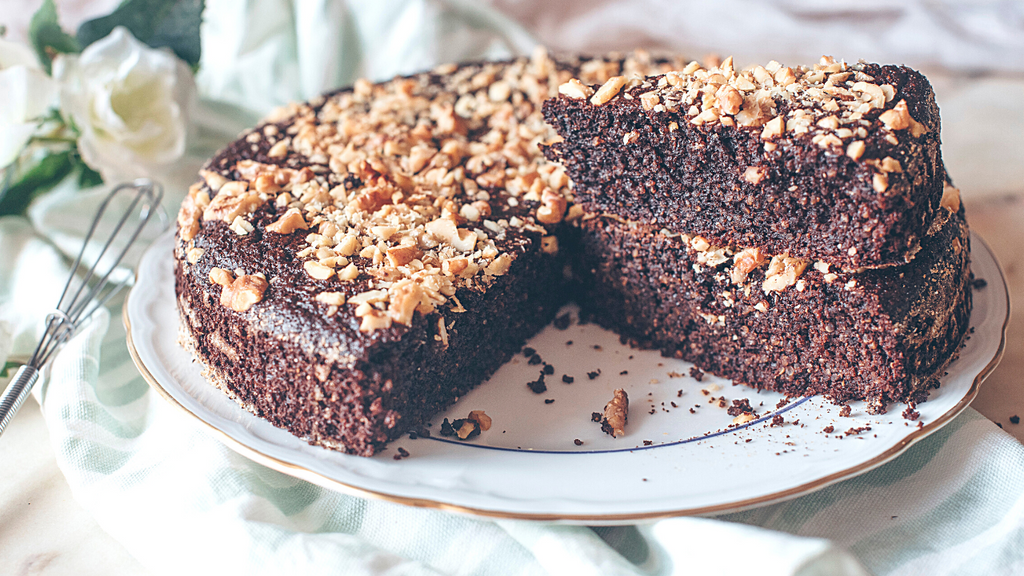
16	394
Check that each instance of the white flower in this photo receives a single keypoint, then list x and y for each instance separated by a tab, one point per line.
26	93
131	104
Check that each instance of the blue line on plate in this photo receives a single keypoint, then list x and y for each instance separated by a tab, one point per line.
635	448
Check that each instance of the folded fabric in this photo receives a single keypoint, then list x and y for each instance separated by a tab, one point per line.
180	501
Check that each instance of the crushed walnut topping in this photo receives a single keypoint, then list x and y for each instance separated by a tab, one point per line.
411	189
834	103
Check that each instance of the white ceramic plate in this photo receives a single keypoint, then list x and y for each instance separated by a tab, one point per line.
528	465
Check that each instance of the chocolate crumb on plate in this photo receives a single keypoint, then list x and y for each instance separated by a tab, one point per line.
1014	419
562	322
568	379
696	373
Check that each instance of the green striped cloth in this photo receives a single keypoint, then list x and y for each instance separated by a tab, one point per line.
181	502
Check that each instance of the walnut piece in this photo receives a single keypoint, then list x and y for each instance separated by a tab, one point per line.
575	89
191	209
950	198
616	411
608	90
782	273
745	262
291	221
233	200
239	294
480	418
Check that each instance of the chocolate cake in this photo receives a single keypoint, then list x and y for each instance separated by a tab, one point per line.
355	264
836	162
781	323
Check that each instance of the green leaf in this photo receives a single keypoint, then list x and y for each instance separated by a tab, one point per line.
87	177
8	366
157	23
46	35
53	168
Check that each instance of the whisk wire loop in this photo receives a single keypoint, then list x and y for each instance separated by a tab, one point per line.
93	291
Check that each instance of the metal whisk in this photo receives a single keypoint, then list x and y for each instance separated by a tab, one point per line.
94	289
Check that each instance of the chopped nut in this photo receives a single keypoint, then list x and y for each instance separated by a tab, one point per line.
855	150
317	270
549	244
243	292
782	273
402	255
890	164
350	272
291	221
552	207
745	262
950	198
616	413
730	101
774	127
331	298
608	90
221	276
744	418
213	179
481	418
194	254
279	150
754	174
880	182
499	266
574	89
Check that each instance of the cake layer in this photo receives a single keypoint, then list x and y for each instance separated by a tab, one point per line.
355	264
836	163
781	323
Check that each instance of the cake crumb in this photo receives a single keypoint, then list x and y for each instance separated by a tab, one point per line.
562	322
778	420
829	429
594	374
675	374
549	400
568	379
1014	419
911	414
979	283
741	406
648	442
538	386
697	374
846	411
578	442
402	453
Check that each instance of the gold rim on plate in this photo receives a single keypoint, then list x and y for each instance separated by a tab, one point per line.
814	485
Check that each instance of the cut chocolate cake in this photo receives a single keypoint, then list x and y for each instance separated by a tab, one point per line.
355	264
781	323
836	162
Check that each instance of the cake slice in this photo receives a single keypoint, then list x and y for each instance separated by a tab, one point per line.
836	162
779	323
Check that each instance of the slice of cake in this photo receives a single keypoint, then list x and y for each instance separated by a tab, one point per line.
836	162
355	264
796	326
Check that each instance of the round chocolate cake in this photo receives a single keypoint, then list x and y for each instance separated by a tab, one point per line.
355	264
